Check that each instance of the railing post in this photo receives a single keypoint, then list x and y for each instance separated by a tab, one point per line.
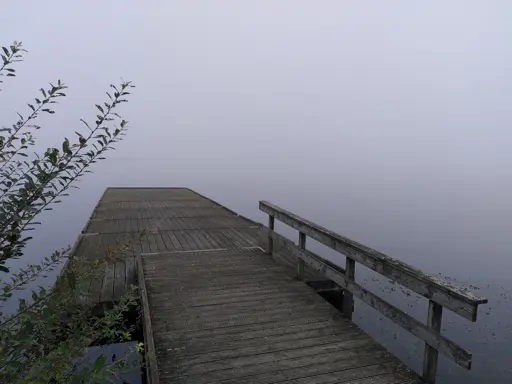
348	298
435	315
300	262
270	238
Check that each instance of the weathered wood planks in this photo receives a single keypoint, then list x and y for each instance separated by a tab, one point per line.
236	315
217	307
439	292
152	220
430	335
461	301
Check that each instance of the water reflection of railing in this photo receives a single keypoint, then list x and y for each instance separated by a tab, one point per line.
440	293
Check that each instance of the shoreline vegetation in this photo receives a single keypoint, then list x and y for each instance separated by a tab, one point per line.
42	341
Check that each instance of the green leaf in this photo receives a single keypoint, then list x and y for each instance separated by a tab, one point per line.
34	296
65	146
99	363
99	107
6	51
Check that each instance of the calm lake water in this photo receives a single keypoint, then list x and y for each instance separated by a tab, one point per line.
388	122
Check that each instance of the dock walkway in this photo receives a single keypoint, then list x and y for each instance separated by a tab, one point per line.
224	300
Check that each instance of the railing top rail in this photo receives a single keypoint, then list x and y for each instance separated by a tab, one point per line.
458	299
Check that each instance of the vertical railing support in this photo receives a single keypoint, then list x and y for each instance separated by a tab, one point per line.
348	298
300	262
435	315
270	238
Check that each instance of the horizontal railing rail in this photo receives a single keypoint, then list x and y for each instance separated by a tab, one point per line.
440	293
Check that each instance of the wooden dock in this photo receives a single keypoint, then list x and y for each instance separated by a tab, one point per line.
226	300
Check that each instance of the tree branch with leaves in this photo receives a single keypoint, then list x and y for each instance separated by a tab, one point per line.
43	339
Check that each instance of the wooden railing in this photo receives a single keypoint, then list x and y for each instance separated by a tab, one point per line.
439	293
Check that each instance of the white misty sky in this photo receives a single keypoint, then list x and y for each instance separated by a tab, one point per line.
389	121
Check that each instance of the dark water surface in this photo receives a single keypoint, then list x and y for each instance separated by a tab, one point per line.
388	122
114	352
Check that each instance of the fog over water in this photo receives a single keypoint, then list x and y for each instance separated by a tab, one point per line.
388	122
